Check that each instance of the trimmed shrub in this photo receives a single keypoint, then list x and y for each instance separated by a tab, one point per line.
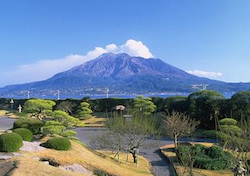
58	144
228	121
215	152
10	142
24	133
199	149
205	162
184	154
212	158
34	125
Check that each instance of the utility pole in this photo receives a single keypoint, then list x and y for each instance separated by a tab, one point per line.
58	94
107	91
28	94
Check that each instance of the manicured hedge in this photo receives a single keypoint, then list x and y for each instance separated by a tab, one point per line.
58	144
34	125
24	133
211	158
10	142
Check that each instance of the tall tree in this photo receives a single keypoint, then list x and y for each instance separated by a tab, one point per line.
240	104
204	106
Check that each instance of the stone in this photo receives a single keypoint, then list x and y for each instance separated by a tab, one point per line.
76	168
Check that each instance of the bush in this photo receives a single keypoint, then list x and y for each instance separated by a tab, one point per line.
215	152
10	142
212	158
199	149
24	133
205	162
58	144
34	125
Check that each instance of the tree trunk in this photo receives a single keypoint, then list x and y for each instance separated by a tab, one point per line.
175	142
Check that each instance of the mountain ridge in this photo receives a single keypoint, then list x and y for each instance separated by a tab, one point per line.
122	73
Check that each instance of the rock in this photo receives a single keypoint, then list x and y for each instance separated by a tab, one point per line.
17	154
76	168
6	167
31	146
5	157
8	131
45	162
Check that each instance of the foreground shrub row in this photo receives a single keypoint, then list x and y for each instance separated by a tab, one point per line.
210	158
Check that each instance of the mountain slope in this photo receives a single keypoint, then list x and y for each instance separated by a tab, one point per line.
123	73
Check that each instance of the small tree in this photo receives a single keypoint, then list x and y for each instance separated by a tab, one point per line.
61	123
85	111
127	136
229	129
178	125
38	107
143	106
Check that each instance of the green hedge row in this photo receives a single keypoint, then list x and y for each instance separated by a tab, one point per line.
210	158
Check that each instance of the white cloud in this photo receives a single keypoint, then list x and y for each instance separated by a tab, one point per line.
136	48
44	69
205	73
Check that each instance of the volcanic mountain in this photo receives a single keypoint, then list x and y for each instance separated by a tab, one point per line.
121	73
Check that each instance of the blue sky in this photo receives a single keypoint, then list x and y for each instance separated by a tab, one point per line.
204	37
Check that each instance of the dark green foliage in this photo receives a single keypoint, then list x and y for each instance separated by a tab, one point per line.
215	152
176	103
34	125
205	162
211	158
58	144
203	106
10	142
24	133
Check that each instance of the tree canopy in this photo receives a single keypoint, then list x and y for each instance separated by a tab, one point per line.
38	107
144	105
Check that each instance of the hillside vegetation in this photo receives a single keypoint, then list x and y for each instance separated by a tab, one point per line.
79	154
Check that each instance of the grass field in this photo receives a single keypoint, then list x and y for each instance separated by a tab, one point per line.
82	155
168	151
